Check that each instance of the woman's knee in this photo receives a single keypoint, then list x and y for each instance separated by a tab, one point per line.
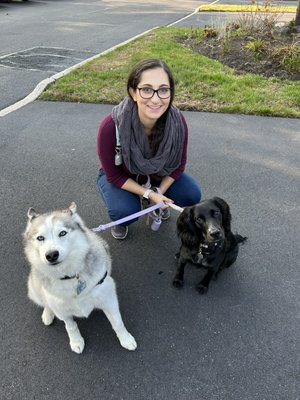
185	192
118	209
119	202
192	196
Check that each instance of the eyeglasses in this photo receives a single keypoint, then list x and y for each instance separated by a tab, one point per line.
148	93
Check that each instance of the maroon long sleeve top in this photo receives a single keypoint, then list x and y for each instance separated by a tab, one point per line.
118	175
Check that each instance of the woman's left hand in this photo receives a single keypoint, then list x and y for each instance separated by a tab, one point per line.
157	198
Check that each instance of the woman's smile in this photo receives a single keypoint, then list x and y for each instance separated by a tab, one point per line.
151	109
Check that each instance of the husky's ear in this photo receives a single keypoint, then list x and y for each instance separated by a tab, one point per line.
31	214
75	217
73	208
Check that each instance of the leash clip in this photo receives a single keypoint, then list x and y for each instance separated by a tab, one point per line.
118	156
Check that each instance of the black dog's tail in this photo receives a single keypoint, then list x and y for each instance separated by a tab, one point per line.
240	239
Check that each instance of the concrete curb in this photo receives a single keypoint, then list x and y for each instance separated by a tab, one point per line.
46	82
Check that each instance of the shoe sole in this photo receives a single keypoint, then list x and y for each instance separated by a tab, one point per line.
167	217
120	237
162	218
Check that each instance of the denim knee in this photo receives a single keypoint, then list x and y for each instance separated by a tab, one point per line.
119	202
185	191
192	197
120	209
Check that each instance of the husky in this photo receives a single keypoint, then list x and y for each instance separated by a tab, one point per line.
70	273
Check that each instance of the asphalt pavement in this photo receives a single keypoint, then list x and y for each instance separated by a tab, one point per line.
240	341
40	37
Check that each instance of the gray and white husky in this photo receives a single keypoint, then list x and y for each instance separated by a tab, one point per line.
70	273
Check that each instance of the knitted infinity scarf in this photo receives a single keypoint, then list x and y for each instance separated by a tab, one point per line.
136	151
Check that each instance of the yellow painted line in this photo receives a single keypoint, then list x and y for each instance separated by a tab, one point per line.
238	8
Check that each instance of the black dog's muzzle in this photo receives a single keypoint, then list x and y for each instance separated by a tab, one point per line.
207	248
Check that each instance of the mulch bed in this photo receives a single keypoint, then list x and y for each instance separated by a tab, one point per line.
232	52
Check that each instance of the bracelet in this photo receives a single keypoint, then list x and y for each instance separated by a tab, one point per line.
146	194
156	189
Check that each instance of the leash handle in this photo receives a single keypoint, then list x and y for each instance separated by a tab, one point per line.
177	208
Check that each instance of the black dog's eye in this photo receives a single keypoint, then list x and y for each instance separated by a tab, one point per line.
216	213
62	233
40	238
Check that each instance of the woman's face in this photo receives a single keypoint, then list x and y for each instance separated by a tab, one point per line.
150	110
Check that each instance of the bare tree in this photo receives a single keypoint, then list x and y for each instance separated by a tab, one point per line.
297	19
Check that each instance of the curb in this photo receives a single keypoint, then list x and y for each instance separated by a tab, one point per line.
48	81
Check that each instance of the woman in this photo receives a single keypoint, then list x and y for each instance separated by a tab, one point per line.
142	148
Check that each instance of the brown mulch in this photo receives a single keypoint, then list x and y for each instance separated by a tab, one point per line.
232	52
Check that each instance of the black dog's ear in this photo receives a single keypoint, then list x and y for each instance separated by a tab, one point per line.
226	215
186	229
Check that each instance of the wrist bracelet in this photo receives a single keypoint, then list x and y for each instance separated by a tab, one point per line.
156	189
146	194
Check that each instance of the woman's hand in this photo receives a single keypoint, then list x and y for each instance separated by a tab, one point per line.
156	198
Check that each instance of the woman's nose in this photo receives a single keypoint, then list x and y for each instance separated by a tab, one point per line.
155	97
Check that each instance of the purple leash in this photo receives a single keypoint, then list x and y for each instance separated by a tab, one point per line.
129	217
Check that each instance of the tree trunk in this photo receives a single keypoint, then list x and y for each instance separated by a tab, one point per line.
297	19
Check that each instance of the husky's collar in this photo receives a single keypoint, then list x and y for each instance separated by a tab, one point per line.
69	277
77	277
82	284
102	280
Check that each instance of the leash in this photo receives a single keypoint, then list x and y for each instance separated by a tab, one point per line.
148	210
177	208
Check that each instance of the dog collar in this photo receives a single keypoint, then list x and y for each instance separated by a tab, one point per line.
81	285
69	277
102	280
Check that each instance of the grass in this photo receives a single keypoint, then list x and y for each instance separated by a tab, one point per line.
202	84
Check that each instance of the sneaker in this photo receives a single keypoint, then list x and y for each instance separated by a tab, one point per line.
119	232
165	214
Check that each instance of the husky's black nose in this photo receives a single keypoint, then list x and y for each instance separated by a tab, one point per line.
52	256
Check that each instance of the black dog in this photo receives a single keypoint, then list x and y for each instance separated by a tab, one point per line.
206	240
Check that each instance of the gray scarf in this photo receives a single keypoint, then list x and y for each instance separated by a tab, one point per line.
136	151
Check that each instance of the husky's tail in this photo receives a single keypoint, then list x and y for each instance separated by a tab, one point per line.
240	239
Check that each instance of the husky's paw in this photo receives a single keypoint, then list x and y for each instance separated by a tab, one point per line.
47	316
127	341
77	345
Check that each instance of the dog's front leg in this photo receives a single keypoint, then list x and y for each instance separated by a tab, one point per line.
202	286
47	316
112	312
178	278
76	340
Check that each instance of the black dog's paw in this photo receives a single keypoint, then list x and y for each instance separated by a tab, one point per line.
201	288
177	283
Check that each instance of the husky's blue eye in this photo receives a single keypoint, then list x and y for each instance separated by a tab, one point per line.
62	233
40	238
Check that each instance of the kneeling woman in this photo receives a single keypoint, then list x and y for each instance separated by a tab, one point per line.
143	144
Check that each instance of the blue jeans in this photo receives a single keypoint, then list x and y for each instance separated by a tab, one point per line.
120	203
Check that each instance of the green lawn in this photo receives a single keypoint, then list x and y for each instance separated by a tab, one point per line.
202	84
